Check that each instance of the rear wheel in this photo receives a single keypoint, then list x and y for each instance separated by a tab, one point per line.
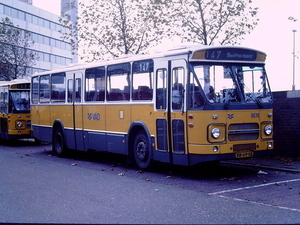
142	153
58	142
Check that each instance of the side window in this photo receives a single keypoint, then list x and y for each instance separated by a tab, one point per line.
35	90
118	82
177	88
70	90
142	80
161	89
95	84
4	101
78	90
44	94
58	82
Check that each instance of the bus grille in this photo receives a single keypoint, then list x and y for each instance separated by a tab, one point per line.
243	131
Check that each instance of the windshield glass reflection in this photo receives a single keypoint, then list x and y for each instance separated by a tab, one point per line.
228	84
19	101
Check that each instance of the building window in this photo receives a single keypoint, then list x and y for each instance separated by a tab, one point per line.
21	15
34	20
2	9
7	10
46	40
14	13
46	57
47	24
40	22
52	57
28	18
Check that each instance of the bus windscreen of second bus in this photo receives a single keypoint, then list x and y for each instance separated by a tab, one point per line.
20	101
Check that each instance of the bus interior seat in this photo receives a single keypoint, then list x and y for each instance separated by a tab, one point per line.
144	93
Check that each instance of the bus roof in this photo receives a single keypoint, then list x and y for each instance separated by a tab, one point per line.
16	81
196	52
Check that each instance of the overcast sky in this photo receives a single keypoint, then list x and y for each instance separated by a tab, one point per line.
273	35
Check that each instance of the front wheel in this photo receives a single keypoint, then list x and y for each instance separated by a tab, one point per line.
142	152
58	143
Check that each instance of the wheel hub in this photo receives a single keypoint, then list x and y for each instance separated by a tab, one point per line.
141	151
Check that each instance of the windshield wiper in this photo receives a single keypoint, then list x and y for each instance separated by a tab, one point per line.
257	100
228	99
252	95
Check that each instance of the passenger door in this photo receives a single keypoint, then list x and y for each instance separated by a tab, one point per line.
171	111
75	96
177	112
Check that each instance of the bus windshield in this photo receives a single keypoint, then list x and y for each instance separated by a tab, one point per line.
19	101
233	83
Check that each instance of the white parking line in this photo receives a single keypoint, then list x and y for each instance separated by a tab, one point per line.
260	203
219	194
255	186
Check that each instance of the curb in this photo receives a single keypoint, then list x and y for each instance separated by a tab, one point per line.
262	167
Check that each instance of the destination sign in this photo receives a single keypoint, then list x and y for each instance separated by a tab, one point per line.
143	66
231	54
20	86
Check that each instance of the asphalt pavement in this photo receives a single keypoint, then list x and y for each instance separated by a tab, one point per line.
279	163
37	187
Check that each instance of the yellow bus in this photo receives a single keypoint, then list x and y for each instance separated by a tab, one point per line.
15	121
183	106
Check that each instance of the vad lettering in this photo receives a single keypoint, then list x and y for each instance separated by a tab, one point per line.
93	116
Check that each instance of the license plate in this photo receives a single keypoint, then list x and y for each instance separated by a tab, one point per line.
244	154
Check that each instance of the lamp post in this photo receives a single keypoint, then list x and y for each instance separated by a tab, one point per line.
294	56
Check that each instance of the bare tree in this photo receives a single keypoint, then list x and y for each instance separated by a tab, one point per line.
112	28
106	29
213	21
15	55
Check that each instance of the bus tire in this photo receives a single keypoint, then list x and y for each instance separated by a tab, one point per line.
58	142
142	151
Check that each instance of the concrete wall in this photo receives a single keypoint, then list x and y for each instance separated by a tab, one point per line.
287	123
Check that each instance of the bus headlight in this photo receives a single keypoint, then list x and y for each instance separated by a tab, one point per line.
20	124
215	132
268	130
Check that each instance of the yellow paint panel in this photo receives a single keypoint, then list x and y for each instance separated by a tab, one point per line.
64	113
145	114
78	117
43	115
94	117
34	114
202	119
205	149
12	129
118	118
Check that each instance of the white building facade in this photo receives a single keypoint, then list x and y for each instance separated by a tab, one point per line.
52	51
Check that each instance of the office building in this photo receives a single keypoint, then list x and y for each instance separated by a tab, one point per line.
52	51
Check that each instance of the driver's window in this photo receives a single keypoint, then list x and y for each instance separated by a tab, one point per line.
216	82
